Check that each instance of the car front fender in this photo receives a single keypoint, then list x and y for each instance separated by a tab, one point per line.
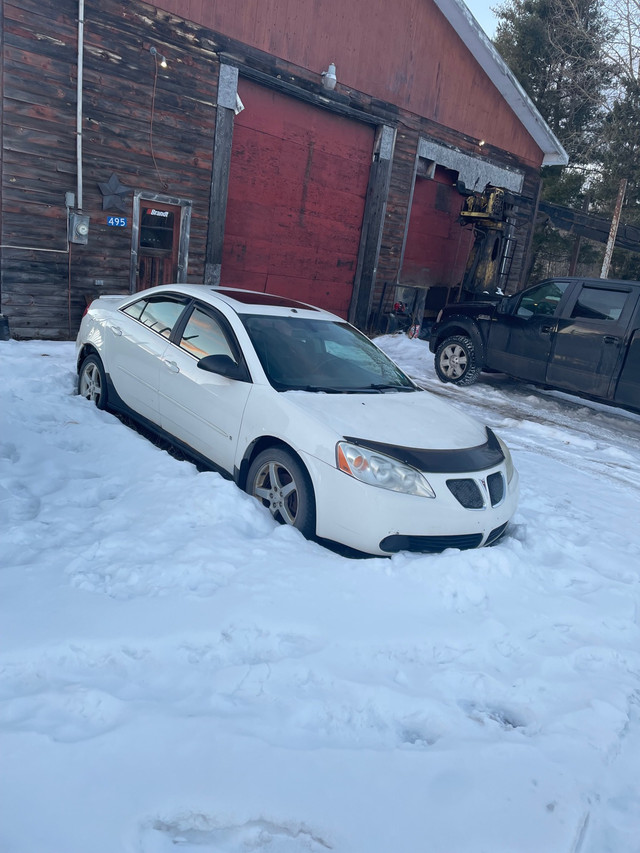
458	324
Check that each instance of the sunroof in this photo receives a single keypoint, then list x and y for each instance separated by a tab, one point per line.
256	298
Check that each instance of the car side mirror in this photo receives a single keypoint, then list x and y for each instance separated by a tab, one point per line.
506	304
224	365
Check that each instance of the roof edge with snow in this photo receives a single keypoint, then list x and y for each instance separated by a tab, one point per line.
504	80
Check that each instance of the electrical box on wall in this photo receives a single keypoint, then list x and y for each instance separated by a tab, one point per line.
78	228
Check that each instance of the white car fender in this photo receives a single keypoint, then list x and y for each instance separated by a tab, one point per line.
270	413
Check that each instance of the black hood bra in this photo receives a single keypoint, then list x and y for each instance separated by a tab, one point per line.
479	458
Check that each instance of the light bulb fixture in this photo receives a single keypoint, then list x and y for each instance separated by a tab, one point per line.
329	78
153	51
482	143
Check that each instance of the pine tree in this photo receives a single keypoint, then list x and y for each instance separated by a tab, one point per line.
556	50
619	154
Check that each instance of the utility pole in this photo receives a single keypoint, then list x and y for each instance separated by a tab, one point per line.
577	240
606	263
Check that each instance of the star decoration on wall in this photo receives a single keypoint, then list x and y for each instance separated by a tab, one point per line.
114	194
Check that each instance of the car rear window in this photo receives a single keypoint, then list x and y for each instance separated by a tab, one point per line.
159	313
599	303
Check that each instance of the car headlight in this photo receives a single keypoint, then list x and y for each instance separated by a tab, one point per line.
382	471
508	461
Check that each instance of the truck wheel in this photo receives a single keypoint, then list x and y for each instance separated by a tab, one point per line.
456	361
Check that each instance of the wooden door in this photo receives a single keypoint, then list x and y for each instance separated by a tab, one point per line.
158	244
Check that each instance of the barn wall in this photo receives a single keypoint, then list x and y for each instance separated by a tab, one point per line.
405	53
38	95
46	283
398	219
154	130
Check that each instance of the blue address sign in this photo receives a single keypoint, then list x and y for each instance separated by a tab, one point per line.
118	221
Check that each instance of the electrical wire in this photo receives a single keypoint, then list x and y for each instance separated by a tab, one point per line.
69	293
163	184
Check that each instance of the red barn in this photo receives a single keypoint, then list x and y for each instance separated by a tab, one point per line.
321	150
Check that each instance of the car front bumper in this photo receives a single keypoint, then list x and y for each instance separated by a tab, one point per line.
379	521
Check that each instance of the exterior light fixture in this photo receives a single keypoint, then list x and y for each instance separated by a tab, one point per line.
154	53
482	143
329	78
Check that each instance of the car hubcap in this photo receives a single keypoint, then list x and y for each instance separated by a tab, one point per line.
276	488
91	387
453	361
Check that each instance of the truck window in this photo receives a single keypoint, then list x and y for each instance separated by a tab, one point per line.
543	299
599	303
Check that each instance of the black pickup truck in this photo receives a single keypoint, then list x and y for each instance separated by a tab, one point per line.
576	334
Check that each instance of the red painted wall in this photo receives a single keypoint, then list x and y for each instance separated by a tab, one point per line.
437	244
297	190
404	52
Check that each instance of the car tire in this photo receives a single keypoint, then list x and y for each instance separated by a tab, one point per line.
456	361
92	381
281	483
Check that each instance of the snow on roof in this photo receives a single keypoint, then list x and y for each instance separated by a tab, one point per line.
504	80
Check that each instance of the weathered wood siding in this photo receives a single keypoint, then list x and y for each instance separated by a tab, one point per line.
44	286
38	159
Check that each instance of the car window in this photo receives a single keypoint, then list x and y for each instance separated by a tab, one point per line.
159	313
203	335
542	300
599	303
321	355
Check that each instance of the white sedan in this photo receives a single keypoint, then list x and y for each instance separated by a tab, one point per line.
304	412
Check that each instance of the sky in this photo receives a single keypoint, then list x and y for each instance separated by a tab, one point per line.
481	11
179	673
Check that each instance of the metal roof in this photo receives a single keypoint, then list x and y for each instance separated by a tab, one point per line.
503	79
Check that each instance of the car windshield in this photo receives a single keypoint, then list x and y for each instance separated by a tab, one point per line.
305	354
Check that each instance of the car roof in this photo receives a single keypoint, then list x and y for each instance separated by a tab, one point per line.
245	301
600	282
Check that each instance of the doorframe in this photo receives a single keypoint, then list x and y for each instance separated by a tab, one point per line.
185	206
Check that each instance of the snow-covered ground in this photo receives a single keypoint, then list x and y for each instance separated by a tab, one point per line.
180	673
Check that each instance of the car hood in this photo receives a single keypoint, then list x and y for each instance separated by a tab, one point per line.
418	420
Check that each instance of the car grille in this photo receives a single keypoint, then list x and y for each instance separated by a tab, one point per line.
469	494
429	544
435	544
495	482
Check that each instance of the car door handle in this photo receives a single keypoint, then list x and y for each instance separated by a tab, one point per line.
117	331
173	367
611	339
546	330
